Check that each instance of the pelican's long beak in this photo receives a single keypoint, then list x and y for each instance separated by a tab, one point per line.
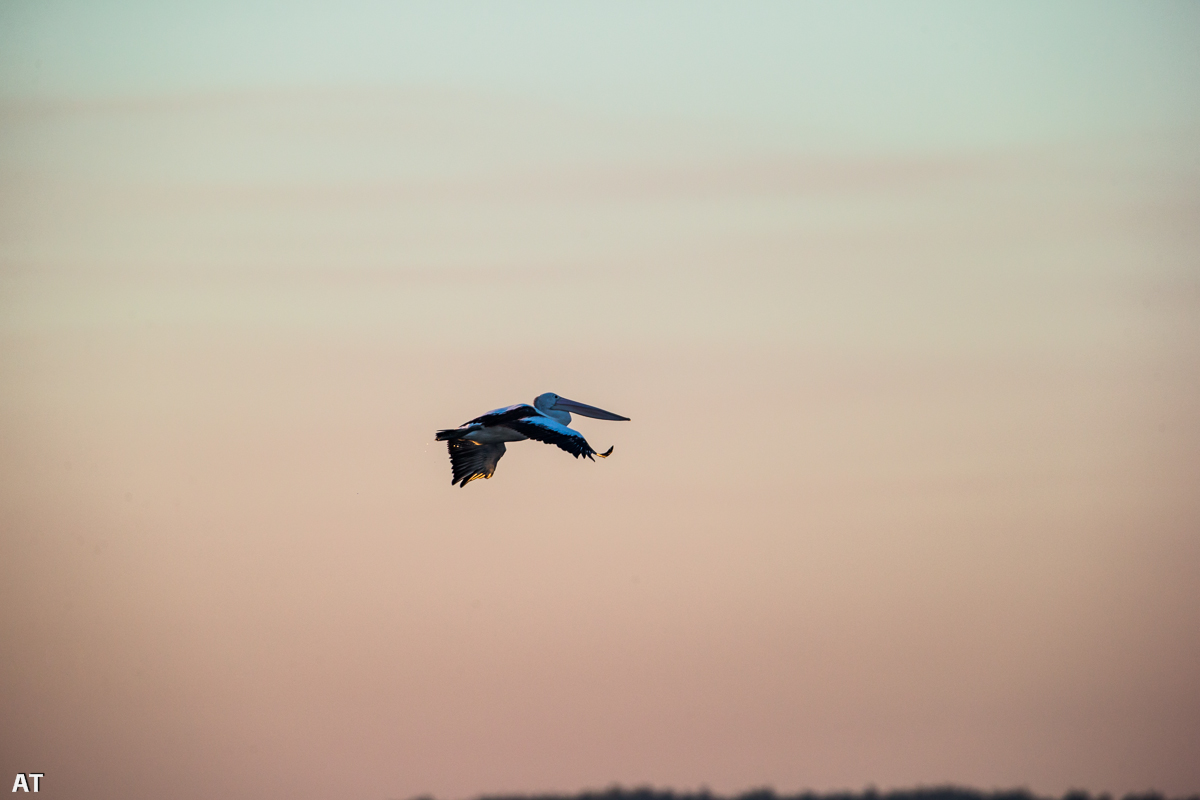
586	410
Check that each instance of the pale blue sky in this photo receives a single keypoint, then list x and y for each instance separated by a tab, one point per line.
892	76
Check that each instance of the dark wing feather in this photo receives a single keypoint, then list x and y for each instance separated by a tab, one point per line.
503	416
549	431
469	460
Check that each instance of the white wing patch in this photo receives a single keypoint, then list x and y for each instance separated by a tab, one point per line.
549	431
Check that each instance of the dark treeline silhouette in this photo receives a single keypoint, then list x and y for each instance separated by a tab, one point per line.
931	793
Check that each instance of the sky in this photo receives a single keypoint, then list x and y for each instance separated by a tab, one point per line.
903	301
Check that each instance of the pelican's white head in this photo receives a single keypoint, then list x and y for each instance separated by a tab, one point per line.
555	406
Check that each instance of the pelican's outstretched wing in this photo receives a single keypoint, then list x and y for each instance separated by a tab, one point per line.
502	416
549	431
469	460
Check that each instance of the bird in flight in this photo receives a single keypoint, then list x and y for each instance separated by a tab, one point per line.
477	446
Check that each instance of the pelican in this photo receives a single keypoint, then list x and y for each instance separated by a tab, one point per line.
477	446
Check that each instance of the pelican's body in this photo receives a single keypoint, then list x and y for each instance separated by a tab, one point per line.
477	446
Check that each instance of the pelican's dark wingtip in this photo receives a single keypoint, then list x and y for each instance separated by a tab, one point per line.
606	453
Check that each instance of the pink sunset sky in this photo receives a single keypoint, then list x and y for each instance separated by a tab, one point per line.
903	301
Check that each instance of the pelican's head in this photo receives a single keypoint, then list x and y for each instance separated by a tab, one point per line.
551	402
